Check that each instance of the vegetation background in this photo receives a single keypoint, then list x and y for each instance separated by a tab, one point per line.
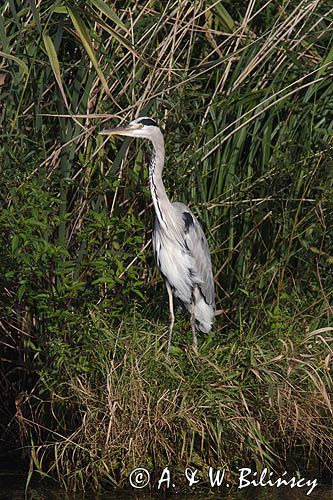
244	93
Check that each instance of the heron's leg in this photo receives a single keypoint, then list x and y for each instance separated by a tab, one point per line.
195	339
172	315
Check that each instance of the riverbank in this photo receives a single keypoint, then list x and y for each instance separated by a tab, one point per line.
241	401
13	486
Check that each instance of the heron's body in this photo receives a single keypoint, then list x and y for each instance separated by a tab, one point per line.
180	246
184	267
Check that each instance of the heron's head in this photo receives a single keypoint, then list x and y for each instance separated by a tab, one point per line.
140	127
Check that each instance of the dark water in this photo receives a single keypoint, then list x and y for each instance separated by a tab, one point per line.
12	487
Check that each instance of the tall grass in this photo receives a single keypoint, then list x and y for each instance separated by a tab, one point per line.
244	94
125	404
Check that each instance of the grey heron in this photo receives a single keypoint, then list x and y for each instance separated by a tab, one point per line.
179	243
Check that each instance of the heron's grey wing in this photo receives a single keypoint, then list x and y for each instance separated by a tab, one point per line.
196	243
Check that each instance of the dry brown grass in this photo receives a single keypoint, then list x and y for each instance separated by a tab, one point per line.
214	409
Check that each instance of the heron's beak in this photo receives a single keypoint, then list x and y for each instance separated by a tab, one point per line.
121	130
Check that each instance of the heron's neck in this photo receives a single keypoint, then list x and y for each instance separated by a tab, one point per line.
161	201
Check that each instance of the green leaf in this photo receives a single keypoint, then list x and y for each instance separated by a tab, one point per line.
35	14
60	9
21	291
138	292
326	63
104	279
53	58
21	64
103	7
15	242
225	16
83	34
